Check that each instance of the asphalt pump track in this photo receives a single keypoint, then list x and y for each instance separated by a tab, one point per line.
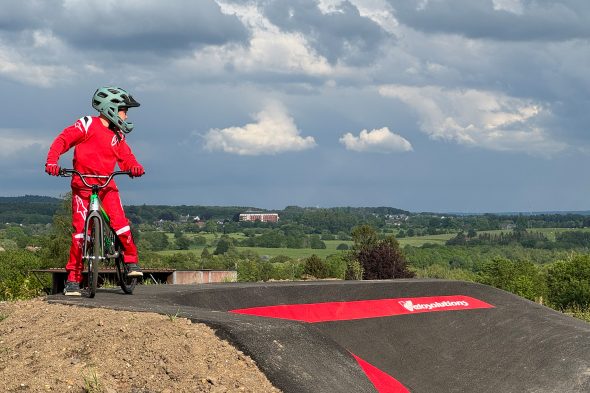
418	336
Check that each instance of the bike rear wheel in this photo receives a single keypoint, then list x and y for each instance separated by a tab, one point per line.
93	256
127	283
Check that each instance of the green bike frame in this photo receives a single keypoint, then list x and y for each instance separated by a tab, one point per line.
95	209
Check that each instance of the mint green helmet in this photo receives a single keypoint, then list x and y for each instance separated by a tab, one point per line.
108	101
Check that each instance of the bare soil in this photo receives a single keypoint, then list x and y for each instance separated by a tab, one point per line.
58	348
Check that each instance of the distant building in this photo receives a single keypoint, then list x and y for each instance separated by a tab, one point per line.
259	216
396	219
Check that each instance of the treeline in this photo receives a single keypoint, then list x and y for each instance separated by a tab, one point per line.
40	210
29	209
530	239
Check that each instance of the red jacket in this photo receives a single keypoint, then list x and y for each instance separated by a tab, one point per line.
97	150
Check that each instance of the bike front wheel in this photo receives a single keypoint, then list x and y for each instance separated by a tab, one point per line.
93	256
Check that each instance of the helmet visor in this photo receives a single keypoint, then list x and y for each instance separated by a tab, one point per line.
129	101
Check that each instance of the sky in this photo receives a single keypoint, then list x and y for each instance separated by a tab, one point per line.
423	105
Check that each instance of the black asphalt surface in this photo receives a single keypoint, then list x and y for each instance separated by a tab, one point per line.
517	346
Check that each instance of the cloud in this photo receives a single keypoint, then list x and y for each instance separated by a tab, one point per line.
504	20
273	132
379	141
133	25
22	69
337	31
270	51
514	6
13	142
486	119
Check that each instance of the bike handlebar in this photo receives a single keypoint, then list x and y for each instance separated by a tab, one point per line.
70	172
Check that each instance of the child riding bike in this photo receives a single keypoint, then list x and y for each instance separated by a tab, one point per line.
99	143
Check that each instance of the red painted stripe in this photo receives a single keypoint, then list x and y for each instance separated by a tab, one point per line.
383	382
361	309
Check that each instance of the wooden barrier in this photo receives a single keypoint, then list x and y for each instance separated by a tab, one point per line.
157	276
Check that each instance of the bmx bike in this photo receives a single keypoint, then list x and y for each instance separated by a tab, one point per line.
101	244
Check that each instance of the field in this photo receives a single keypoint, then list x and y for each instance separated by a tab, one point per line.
415	241
294	253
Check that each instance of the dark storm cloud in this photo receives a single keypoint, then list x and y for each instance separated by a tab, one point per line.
531	20
131	25
340	35
27	14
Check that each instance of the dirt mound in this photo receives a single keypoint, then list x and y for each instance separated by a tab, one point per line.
51	347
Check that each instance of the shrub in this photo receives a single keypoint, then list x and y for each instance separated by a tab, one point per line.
342	246
15	280
200	240
446	273
354	270
280	259
522	278
158	241
336	265
380	258
224	244
289	270
182	260
316	243
315	266
568	283
183	242
265	271
248	271
8	244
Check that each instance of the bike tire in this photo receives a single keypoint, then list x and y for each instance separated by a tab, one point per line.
127	283
95	254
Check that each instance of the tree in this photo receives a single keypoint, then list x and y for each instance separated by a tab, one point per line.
158	240
522	278
18	235
55	252
223	245
200	240
316	243
211	226
183	242
380	259
569	283
364	236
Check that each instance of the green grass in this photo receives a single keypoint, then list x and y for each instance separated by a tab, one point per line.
294	253
92	383
550	232
173	317
418	241
209	236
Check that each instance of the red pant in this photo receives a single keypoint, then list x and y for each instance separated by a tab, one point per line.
111	203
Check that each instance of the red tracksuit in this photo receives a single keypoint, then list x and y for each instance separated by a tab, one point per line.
97	150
